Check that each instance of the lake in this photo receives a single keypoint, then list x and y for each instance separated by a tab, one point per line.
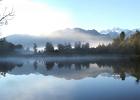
69	79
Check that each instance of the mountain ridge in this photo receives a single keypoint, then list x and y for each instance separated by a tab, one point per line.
68	35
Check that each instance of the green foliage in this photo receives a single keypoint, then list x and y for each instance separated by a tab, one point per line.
134	41
122	45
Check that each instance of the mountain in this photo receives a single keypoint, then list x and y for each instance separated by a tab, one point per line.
116	31
76	31
90	32
62	36
70	35
26	40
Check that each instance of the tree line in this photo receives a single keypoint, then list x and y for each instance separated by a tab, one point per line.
7	48
123	45
120	45
66	48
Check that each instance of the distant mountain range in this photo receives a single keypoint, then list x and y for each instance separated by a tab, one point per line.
116	31
69	35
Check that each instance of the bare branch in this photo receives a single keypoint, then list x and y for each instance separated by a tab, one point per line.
6	16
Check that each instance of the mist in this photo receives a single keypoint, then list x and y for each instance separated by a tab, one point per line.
62	36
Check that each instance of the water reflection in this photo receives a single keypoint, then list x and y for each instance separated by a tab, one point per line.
73	69
49	65
43	79
6	66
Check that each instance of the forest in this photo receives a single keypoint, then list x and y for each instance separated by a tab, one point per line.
121	45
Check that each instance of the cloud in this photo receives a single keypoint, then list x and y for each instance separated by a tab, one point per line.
35	18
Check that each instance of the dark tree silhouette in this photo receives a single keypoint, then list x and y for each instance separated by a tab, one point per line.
77	45
49	65
49	48
85	46
61	47
35	48
35	64
122	36
68	46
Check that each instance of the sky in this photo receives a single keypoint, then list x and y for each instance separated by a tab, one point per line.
41	17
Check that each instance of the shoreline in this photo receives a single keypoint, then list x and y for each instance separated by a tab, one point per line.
74	57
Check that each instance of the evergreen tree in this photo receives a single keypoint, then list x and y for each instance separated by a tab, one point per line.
35	48
122	36
49	47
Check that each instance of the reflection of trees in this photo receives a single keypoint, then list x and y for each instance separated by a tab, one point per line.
68	64
85	65
5	67
60	65
122	67
77	66
35	64
132	70
19	65
122	75
136	73
49	65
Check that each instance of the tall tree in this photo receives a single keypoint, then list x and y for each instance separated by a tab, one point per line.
85	46
77	45
68	46
49	47
35	48
61	47
122	36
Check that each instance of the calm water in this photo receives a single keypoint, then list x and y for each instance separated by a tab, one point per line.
69	79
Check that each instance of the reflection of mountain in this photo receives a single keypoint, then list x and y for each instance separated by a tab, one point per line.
67	70
73	69
77	71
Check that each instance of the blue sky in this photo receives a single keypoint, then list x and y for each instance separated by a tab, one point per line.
42	17
100	14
